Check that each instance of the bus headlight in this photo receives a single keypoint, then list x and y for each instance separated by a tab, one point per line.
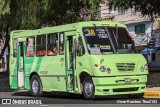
102	68
142	69
108	70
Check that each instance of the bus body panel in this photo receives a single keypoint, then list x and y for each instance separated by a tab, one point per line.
117	85
53	71
121	64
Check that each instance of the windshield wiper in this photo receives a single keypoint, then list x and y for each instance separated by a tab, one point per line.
115	38
110	39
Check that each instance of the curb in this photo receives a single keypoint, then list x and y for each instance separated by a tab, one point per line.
152	94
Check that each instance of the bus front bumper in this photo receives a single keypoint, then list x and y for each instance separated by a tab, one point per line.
119	85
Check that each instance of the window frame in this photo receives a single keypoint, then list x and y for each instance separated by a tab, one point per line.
60	43
34	46
41	50
15	47
141	27
47	49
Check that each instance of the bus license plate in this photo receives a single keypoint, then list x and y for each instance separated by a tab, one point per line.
127	79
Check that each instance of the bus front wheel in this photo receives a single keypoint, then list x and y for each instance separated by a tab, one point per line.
35	86
88	88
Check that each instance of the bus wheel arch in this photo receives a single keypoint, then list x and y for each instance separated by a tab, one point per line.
83	75
87	86
36	87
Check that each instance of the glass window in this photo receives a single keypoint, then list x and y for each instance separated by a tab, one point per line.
61	43
121	40
15	47
41	45
52	45
97	40
100	42
30	49
140	28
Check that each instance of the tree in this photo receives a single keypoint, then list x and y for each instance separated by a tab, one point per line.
4	21
146	7
31	14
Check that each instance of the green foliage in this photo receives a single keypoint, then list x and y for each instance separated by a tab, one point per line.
4	14
30	14
146	7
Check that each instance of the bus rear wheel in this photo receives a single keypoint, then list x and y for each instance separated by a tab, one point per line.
88	88
35	86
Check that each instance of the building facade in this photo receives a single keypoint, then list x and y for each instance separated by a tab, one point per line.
139	27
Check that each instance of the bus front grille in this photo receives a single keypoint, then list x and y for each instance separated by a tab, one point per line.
125	66
125	89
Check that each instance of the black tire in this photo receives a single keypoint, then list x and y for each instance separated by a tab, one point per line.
137	96
88	96
38	91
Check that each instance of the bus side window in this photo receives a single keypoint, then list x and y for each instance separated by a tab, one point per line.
41	45
52	44
15	47
61	43
30	49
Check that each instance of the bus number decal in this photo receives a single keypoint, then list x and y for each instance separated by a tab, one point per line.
91	32
44	72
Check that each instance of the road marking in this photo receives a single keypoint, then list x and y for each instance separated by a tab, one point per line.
50	106
43	105
152	94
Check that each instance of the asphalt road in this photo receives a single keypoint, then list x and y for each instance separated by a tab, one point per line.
66	100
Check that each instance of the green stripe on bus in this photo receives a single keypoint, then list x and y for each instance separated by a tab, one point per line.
38	64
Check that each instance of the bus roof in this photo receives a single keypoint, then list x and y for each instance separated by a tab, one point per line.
63	28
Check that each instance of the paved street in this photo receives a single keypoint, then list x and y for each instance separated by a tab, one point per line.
84	105
60	98
65	100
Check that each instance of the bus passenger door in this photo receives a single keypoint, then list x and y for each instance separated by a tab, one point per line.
20	65
70	63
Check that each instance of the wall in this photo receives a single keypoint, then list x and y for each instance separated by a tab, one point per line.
148	27
130	18
140	39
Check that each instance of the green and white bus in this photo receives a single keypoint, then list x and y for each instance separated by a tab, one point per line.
92	58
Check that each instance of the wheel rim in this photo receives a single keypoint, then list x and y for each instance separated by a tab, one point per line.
88	88
35	86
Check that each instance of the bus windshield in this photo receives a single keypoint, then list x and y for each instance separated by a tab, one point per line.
107	40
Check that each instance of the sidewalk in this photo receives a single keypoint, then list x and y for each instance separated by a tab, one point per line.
153	92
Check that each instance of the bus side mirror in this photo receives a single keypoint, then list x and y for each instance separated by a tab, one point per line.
133	44
133	47
76	44
78	47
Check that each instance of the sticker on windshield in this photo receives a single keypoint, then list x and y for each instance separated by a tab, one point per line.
89	32
101	33
108	47
95	50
